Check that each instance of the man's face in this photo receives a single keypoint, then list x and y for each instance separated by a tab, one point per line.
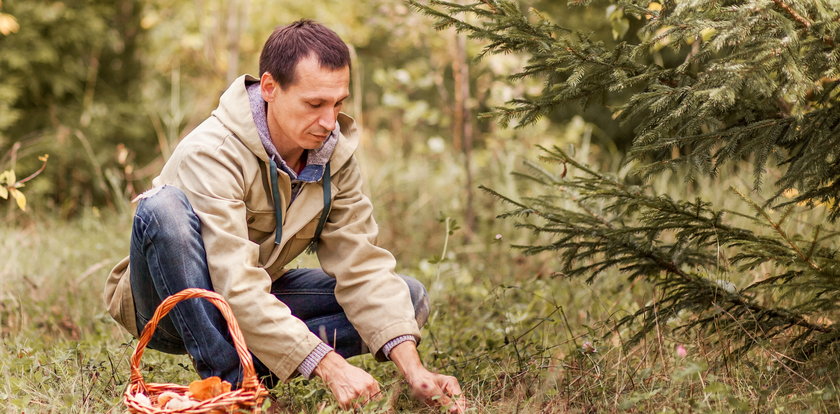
303	115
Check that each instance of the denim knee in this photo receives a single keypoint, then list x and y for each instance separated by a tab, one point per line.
419	298
165	202
169	208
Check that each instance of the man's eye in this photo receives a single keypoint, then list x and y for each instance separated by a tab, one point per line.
312	105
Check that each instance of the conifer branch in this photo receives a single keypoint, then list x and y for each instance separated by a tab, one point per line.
776	226
793	13
491	5
629	237
751	85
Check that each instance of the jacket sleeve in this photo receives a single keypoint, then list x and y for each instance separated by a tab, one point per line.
215	184
375	299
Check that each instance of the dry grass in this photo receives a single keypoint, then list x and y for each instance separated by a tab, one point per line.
518	338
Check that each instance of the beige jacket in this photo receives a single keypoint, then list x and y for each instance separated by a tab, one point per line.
223	168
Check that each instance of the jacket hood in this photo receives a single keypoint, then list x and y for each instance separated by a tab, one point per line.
234	112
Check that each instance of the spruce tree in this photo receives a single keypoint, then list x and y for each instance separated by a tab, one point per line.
703	85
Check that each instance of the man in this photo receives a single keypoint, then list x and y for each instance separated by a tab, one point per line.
268	174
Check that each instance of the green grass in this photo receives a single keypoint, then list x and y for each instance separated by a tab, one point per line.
518	337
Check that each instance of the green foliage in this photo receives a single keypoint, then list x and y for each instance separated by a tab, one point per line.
109	90
688	250
714	81
70	87
705	86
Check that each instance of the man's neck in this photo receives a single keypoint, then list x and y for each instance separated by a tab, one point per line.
292	154
293	157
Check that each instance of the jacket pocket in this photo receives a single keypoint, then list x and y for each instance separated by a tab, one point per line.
260	220
260	225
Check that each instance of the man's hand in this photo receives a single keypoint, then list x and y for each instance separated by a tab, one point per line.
432	388
351	386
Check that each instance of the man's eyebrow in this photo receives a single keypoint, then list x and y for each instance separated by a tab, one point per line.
322	99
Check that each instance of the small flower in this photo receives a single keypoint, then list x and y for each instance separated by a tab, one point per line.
681	351
588	348
498	237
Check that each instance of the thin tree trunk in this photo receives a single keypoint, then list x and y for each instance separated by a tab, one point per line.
463	123
234	25
357	99
458	92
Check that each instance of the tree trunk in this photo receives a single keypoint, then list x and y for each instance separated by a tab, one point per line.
463	124
234	28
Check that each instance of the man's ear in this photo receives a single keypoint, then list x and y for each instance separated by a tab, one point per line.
269	88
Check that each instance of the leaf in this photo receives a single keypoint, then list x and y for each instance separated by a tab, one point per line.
11	178
208	388
19	197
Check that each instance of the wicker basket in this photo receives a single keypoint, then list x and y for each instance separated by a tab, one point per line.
247	398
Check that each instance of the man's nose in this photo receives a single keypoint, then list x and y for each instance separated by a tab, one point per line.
327	119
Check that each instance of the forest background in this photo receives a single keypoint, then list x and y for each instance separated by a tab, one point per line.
107	88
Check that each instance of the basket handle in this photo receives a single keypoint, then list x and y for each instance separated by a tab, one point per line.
249	376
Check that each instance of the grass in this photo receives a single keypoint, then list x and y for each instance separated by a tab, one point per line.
519	338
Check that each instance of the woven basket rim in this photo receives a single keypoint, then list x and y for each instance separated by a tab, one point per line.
251	393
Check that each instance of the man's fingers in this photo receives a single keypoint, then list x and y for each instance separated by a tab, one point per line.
460	405
357	398
373	392
351	386
443	400
373	388
438	396
376	397
454	405
364	396
451	386
351	401
439	390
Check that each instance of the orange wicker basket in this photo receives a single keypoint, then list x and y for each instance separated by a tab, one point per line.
248	398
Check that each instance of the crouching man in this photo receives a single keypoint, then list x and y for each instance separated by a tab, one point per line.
269	174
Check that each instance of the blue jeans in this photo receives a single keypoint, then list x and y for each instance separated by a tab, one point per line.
168	255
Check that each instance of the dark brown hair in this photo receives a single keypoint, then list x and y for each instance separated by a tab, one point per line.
288	44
